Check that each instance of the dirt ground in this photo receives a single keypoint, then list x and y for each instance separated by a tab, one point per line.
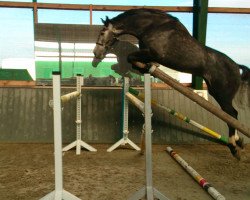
27	172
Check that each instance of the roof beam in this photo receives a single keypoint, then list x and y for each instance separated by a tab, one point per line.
10	4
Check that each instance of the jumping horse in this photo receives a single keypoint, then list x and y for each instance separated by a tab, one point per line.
164	39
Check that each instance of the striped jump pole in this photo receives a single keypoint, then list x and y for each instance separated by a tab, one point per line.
182	117
202	182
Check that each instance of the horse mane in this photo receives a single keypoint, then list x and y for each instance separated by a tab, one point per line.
141	11
245	76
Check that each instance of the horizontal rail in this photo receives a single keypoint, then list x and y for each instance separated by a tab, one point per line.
67	97
90	7
138	103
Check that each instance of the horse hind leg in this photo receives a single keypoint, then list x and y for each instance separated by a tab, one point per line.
239	140
234	141
233	133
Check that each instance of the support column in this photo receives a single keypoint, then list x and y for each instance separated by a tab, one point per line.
200	10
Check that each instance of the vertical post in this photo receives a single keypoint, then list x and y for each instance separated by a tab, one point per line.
148	190
59	192
35	17
200	9
35	21
90	14
60	51
124	140
57	31
148	137
125	108
57	134
79	82
78	143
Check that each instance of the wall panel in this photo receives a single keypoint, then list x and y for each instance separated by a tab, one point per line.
26	117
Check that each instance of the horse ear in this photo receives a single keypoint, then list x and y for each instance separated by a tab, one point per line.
105	22
107	19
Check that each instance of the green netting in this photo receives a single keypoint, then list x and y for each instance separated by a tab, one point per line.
15	74
44	69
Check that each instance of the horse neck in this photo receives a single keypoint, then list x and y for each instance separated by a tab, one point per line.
121	49
132	25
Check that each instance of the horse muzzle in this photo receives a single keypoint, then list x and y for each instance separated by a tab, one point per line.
96	61
99	52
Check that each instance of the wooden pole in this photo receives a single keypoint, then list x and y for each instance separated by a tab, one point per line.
156	72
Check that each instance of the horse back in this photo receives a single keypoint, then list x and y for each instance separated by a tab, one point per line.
171	45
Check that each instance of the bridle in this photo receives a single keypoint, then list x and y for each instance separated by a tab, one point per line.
114	39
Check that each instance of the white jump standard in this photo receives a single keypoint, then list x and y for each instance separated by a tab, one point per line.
148	191
59	193
124	140
78	143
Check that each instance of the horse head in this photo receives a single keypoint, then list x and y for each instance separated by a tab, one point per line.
107	37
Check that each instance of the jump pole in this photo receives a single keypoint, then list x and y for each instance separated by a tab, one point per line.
124	140
148	191
78	143
59	193
182	117
140	105
202	182
156	72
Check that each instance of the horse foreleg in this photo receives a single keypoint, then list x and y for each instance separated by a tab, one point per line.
140	60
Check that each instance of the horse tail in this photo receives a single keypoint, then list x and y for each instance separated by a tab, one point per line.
245	75
242	97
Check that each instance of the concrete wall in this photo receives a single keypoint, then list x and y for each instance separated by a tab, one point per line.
26	117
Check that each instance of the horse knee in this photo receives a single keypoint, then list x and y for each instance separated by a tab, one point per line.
131	58
141	70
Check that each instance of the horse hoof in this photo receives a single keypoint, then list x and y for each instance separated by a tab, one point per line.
237	155
240	143
234	151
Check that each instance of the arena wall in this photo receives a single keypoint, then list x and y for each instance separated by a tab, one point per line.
26	116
